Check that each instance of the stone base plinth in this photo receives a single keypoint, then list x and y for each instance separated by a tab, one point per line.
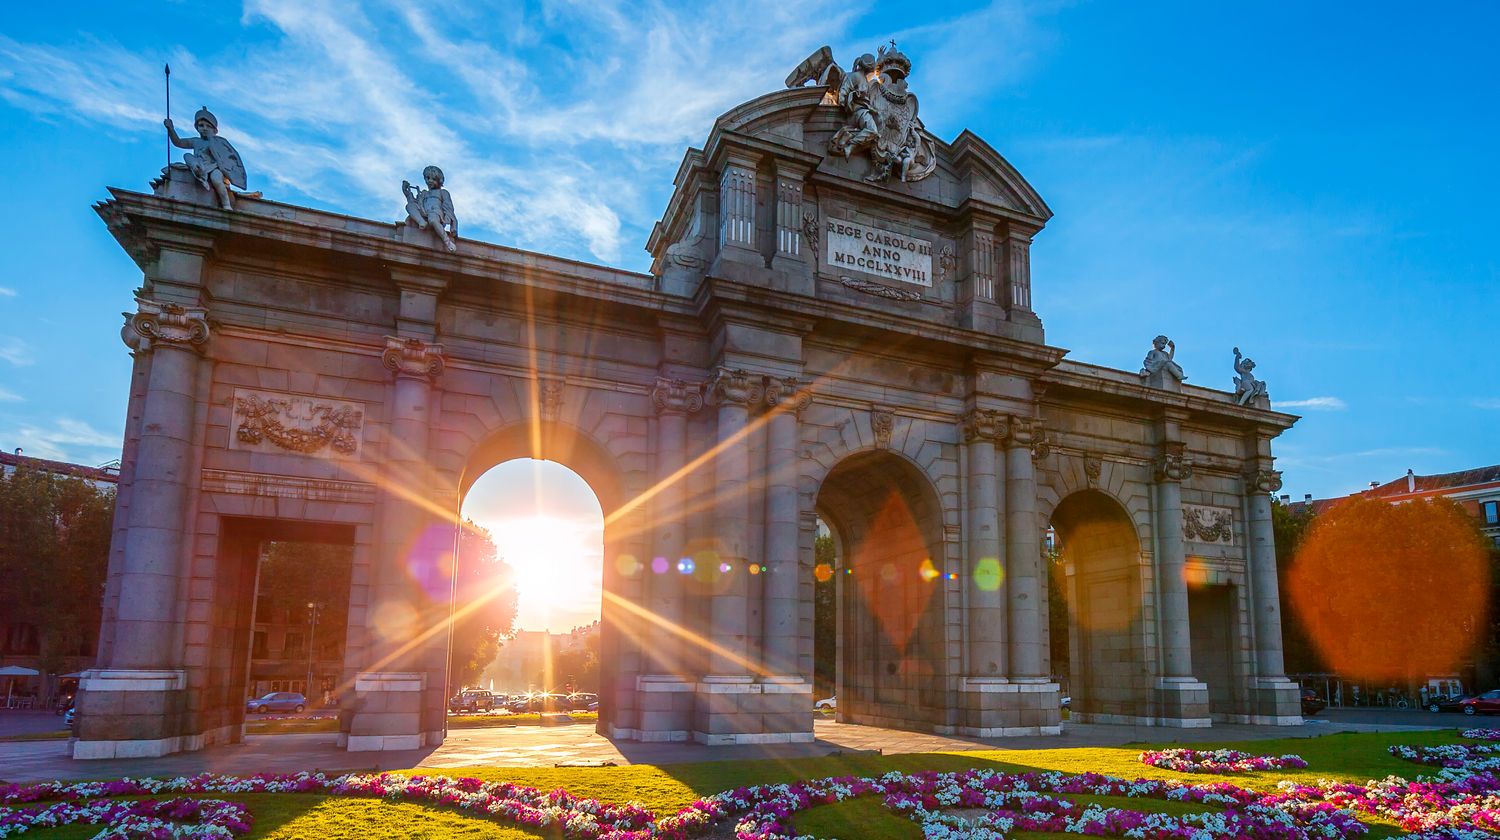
136	714
994	707
387	713
739	710
1182	702
666	704
1275	701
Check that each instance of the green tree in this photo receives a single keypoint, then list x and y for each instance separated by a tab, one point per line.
295	574
1057	612
825	615
484	610
1290	526
54	554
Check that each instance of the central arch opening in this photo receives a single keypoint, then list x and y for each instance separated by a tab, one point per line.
886	528
538	527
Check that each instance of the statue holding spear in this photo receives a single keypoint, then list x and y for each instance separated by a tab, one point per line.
211	159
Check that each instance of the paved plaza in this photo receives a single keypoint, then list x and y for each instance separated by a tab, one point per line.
533	746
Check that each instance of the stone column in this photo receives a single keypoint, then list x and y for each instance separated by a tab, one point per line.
666	700
1276	700
399	669
1023	553
172	334
1181	699
985	577
724	712
1172	467
786	397
732	392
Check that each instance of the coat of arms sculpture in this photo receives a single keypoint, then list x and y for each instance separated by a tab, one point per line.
880	113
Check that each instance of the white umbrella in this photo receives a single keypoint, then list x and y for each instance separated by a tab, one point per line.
14	671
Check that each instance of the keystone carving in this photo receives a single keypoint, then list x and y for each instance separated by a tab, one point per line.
412	357
984	424
164	323
1173	464
1093	465
676	396
1262	481
882	423
549	398
735	387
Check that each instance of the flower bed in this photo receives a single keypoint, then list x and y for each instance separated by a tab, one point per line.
1482	734
1218	761
142	818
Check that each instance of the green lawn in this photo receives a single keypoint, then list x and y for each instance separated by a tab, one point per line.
56	735
666	788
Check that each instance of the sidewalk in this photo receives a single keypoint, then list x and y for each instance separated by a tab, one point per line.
578	744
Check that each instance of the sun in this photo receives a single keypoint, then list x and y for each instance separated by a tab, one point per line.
558	568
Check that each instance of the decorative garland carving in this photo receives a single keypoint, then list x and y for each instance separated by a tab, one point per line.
302	425
870	287
1207	524
810	229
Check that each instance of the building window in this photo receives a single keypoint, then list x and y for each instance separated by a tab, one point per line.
258	648
1491	512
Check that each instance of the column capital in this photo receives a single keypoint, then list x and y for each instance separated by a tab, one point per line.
1041	445
412	358
1259	480
984	424
676	396
735	387
170	324
787	393
1173	464
1022	433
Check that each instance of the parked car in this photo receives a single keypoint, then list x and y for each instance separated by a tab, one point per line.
1486	703
580	700
1311	702
829	703
1445	702
277	701
471	700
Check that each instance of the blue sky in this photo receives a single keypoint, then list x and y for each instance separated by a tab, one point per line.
1313	183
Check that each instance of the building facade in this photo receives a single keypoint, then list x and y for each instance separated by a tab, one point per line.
837	324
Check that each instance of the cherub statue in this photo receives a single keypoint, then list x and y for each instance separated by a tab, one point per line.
432	207
1246	387
213	161
1159	365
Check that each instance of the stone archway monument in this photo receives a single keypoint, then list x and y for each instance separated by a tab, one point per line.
837	321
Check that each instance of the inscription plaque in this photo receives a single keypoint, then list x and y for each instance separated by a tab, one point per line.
852	246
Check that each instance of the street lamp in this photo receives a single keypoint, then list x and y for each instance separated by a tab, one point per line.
312	631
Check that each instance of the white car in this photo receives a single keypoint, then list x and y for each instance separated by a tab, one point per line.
829	703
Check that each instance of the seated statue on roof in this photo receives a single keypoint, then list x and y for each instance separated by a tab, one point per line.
1247	389
213	161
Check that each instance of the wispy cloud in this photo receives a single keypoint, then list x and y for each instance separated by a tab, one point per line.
15	351
4	292
65	440
1492	403
1313	403
8	396
549	141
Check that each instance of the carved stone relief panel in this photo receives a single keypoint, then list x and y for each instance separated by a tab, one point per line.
1208	524
269	421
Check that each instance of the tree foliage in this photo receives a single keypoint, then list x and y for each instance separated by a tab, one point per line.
295	574
1392	591
54	555
484	606
825	616
1290	526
